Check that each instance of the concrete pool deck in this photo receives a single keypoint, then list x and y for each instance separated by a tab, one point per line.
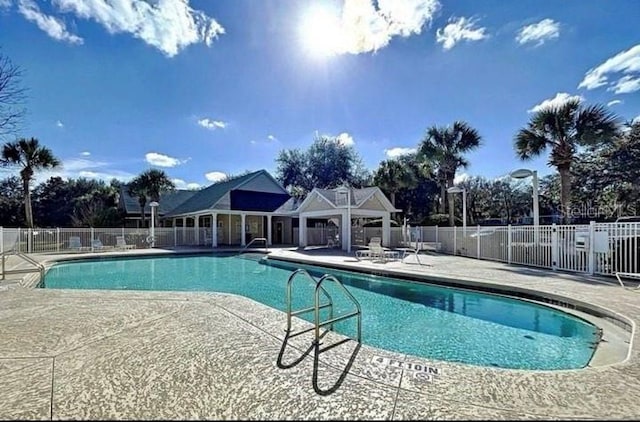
98	354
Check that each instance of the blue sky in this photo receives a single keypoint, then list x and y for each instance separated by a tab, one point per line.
205	88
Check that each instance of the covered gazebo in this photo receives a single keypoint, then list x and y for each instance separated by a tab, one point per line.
346	204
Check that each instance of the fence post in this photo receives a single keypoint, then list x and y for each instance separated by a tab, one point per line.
455	235
92	239
2	242
29	240
57	239
509	253
591	257
19	241
478	243
554	247
175	235
436	233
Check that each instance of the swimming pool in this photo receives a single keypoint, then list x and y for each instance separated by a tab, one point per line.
408	317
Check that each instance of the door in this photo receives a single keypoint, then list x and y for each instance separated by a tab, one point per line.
278	235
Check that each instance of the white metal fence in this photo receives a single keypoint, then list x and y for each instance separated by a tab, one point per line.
596	248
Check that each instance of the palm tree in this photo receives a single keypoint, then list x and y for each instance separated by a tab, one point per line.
443	147
149	185
30	156
392	176
563	129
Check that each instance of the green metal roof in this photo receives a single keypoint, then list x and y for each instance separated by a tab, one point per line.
207	198
168	201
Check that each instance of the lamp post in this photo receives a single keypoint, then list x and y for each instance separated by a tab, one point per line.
523	174
153	206
346	190
455	189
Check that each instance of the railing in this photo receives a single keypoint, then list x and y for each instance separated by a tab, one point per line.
291	313
38	266
357	313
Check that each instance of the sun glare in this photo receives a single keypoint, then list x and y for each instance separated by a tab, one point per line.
320	32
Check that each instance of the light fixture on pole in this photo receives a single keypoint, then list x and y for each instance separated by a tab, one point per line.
346	190
455	189
523	174
153	206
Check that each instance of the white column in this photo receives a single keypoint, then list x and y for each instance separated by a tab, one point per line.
214	230
344	232
196	227
302	231
386	230
243	219
269	230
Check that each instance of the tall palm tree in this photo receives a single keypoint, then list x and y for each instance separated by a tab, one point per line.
563	129
443	148
150	184
136	189
30	156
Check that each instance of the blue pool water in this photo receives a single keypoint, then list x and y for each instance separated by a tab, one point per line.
408	317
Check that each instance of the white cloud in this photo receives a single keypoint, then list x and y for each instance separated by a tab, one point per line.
636	119
539	32
52	26
74	168
168	25
625	85
272	138
345	139
59	124
162	160
613	102
5	3
557	101
212	124
85	153
398	151
363	26
459	30
215	176
181	184
459	178
626	62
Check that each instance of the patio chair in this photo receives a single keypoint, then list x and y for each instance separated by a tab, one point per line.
75	244
96	245
121	243
374	250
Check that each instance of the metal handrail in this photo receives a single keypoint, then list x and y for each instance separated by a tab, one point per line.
39	266
629	275
266	245
357	312
316	305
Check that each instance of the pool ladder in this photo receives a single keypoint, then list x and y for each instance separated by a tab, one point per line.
317	306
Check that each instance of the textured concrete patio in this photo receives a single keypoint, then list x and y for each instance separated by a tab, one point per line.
72	354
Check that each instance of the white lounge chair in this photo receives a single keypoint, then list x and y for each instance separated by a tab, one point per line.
75	244
121	243
374	250
96	245
633	276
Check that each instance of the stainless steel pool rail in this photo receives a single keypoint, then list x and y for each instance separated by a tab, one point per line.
255	239
39	268
317	306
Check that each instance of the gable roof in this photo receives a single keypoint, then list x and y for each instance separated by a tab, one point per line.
358	197
168	201
208	197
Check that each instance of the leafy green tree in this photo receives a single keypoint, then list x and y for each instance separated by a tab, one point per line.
328	163
11	202
29	156
563	129
444	148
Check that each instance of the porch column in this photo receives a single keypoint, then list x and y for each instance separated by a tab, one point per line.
196	228
302	232
269	230
243	219
386	230
214	230
345	226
